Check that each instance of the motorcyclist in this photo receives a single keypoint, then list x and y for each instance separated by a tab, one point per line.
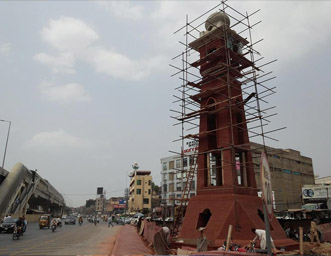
80	220
54	222
95	220
19	224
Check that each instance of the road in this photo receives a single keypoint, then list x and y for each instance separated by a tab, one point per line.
86	239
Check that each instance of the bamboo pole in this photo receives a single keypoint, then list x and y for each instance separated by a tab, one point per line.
228	238
301	240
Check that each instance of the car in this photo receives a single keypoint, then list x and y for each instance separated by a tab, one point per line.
70	220
8	225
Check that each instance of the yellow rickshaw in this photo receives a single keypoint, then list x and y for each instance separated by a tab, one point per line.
44	221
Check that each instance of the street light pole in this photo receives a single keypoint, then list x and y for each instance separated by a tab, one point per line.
4	155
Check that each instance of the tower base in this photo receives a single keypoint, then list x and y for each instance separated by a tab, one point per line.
243	212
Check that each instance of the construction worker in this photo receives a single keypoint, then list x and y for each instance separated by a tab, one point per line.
313	232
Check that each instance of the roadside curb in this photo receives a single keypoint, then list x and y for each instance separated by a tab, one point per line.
112	253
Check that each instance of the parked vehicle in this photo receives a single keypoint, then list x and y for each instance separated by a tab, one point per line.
119	220
136	217
44	221
70	220
8	225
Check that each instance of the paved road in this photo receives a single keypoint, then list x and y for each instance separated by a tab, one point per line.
86	239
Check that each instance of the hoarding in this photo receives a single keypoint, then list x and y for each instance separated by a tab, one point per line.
316	192
100	190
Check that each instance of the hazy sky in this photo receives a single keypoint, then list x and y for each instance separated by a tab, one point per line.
87	85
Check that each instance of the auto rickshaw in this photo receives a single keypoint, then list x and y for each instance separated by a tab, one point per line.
44	221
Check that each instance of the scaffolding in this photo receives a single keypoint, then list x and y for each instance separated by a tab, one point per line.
243	68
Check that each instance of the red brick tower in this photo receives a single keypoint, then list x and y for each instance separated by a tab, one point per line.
226	187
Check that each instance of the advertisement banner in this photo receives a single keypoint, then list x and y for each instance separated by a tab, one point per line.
316	192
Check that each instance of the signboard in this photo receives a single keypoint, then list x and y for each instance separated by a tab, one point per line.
259	194
266	183
316	192
100	190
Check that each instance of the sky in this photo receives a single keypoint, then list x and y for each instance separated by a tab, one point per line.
88	89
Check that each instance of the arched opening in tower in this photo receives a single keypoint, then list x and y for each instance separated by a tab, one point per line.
203	218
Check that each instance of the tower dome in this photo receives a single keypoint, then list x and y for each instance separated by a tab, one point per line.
217	19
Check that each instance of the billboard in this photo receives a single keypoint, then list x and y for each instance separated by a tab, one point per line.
100	191
316	192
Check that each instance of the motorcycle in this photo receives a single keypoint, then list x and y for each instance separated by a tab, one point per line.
53	227
17	232
80	222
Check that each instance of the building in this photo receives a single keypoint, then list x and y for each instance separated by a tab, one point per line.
100	205
289	172
115	205
173	179
323	180
140	193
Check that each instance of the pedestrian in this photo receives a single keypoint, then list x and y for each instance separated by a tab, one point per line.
313	232
110	222
261	236
166	232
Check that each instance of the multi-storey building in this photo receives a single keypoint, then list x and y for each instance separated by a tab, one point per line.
115	205
289	172
100	204
174	177
140	193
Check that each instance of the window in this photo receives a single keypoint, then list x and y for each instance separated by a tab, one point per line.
171	176
171	165
178	195
192	185
178	163
149	182
138	191
171	187
146	201
179	186
164	166
185	162
149	191
192	160
165	188
178	175
287	171
192	195
138	182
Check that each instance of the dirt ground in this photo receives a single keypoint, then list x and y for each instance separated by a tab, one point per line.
312	249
